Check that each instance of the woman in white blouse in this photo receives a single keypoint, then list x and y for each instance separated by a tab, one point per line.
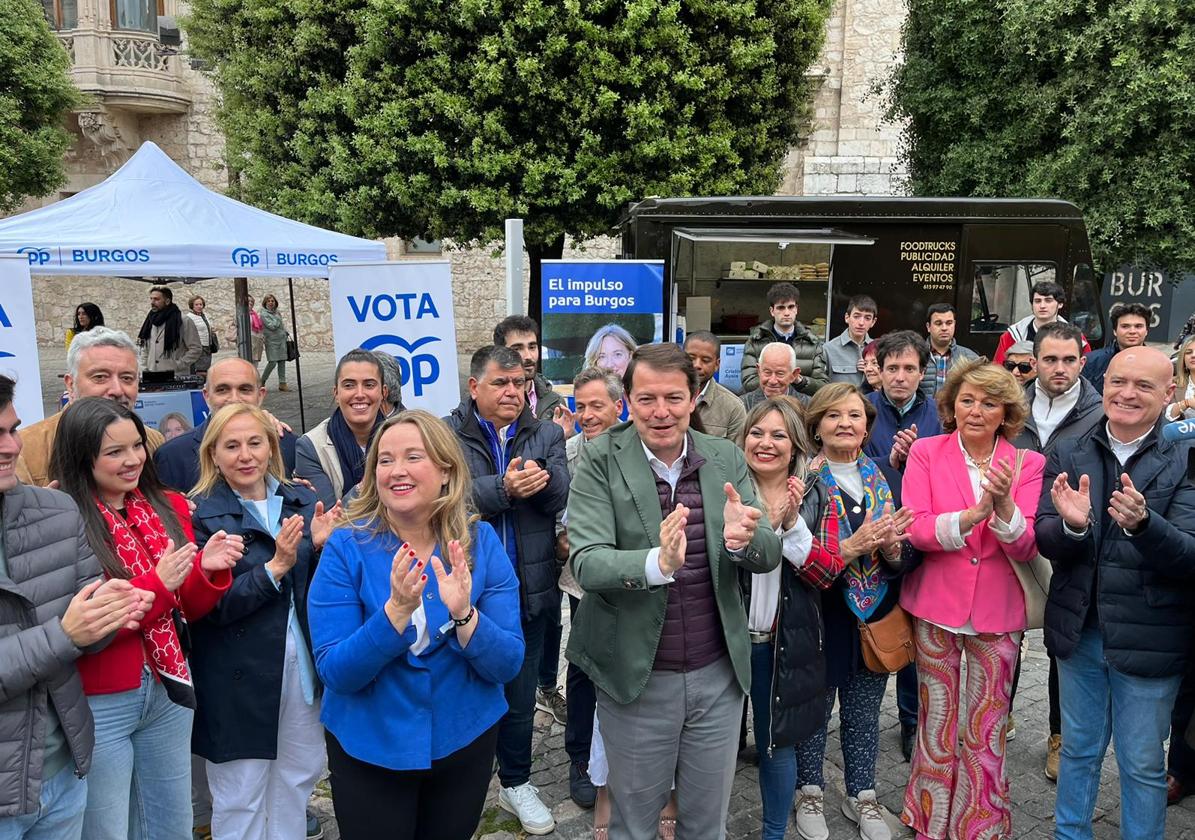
784	605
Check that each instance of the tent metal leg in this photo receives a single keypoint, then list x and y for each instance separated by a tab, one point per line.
240	287
294	331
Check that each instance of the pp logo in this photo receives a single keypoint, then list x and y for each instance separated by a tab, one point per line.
245	257
420	370
36	256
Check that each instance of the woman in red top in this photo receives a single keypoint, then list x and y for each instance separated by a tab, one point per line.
139	686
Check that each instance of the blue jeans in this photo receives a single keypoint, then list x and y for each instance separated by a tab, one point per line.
1099	703
140	780
60	811
518	724
778	770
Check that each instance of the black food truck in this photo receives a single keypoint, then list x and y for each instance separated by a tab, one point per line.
981	254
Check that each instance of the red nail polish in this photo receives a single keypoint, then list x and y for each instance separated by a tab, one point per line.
423	579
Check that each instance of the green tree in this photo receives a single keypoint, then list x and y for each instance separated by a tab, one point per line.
427	117
36	95
1087	100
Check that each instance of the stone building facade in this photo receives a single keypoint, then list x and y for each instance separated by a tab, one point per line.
141	90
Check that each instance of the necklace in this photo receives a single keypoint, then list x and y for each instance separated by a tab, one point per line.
980	464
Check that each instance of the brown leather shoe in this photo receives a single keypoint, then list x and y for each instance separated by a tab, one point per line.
1053	756
1175	790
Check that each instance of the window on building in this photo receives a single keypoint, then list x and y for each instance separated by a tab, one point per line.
61	14
137	15
1001	294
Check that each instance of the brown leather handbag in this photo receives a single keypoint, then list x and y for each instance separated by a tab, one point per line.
887	643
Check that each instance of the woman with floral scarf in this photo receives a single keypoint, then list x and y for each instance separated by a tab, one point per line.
871	531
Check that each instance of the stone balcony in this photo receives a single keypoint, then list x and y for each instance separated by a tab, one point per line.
130	71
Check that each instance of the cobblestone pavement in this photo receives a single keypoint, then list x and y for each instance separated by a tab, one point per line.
1032	794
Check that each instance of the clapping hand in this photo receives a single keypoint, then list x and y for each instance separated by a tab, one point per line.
784	514
457	587
222	551
739	520
998	479
901	520
286	547
565	419
524	481
864	540
323	522
672	540
101	608
175	564
1074	506
407	580
901	443
1127	505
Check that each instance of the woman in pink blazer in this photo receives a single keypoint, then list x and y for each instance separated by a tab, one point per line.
974	519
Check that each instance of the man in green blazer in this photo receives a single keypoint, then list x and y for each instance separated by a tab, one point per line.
660	519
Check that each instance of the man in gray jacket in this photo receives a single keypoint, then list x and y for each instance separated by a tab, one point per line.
53	608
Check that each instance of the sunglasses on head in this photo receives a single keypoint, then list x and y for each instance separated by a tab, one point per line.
1023	367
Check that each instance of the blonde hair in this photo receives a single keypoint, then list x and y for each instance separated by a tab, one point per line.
792	415
994	381
1182	376
451	517
610	330
209	473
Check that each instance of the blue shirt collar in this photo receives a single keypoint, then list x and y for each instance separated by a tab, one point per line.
273	506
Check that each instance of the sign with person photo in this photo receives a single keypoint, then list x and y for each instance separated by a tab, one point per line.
596	312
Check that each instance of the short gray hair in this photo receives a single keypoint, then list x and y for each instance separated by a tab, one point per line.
607	377
789	352
97	337
391	376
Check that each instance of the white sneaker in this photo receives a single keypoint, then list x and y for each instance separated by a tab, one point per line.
811	819
524	802
866	812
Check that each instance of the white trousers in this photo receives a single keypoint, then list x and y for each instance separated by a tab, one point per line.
259	799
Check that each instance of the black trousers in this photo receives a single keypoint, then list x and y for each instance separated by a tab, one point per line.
1052	687
580	697
1181	761
443	802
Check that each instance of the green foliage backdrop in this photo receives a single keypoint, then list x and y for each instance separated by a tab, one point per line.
444	117
36	95
1087	100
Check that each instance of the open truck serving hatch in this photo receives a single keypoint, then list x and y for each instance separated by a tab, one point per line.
982	255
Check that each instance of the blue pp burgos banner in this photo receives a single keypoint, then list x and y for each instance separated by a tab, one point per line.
596	312
605	286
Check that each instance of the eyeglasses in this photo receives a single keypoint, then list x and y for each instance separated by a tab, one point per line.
1023	367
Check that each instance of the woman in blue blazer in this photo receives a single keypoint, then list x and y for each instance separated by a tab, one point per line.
414	616
257	717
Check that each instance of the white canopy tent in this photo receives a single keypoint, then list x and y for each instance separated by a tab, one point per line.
150	218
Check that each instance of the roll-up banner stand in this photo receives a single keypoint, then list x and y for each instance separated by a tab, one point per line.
18	338
405	309
596	312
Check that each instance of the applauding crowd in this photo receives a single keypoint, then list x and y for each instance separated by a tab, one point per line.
195	630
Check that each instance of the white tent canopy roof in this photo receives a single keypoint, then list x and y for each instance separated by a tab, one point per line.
150	218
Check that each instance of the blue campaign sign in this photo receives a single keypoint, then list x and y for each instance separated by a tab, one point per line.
605	286
596	312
